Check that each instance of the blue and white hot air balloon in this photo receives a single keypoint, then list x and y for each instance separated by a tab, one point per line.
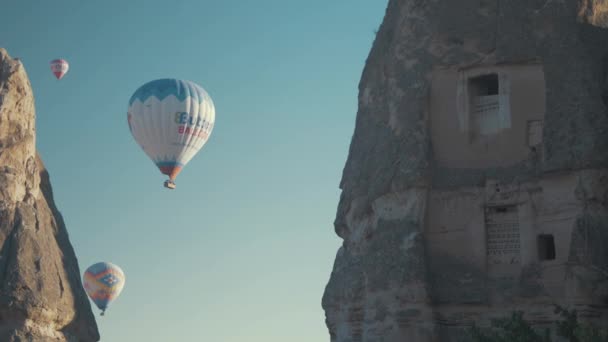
171	120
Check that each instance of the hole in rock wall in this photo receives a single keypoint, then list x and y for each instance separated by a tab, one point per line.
484	105
546	247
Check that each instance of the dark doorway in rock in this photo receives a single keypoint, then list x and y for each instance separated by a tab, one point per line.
546	247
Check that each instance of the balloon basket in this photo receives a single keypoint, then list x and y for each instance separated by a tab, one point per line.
169	184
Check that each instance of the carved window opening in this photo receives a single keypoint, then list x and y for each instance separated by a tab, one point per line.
502	235
546	247
485	102
484	85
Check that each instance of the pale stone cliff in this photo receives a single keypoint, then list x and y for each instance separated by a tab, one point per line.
41	294
477	177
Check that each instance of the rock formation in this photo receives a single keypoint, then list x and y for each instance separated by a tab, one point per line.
41	294
477	177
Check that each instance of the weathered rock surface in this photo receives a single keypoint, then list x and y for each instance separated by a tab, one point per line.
448	218
41	294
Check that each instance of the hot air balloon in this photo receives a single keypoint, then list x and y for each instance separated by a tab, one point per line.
171	120
59	67
103	282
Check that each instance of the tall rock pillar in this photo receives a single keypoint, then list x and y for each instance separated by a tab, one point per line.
477	178
41	294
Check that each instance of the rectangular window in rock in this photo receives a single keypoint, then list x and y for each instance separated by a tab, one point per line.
502	235
485	102
546	247
484	85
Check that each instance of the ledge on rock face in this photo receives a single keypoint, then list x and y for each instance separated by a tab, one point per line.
41	294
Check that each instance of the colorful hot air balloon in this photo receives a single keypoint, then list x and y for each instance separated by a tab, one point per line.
59	67
103	282
171	120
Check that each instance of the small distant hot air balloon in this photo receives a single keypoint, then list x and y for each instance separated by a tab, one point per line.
103	282
59	67
171	120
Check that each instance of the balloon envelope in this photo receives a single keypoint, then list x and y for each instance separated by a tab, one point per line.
171	120
103	282
59	67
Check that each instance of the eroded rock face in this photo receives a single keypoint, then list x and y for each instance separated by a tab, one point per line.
594	12
41	294
476	181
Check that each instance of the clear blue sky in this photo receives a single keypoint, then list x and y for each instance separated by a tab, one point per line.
243	248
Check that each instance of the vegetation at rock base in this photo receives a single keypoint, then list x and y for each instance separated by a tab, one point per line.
516	329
